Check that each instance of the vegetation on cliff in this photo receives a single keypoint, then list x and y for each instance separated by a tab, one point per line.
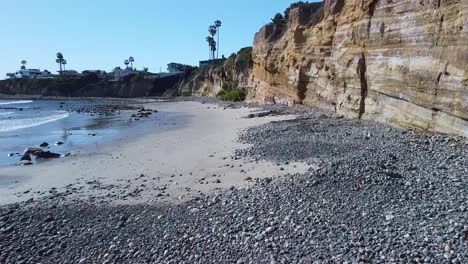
240	61
282	19
234	95
226	80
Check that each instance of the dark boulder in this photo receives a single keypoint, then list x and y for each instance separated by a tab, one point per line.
46	155
26	157
32	151
44	145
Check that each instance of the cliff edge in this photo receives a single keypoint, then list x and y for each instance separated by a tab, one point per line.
404	63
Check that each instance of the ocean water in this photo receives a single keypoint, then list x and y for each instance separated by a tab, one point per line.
27	123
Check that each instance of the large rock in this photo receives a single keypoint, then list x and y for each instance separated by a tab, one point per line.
46	155
25	157
399	62
32	150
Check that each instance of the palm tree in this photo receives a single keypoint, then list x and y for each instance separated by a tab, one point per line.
23	66
60	61
208	40
131	60
212	46
212	30
126	62
217	24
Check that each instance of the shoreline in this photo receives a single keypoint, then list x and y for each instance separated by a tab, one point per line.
99	162
81	123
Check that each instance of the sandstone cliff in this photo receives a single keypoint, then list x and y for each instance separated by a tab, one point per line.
235	72
399	62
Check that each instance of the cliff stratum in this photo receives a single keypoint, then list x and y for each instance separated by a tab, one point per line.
399	62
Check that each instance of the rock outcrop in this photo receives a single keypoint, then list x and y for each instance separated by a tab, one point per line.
403	63
92	87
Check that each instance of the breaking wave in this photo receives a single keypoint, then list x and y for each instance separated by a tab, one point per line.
10	125
15	102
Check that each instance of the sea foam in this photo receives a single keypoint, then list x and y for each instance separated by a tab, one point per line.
15	102
10	125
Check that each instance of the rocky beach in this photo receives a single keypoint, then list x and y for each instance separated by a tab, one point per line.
291	185
339	136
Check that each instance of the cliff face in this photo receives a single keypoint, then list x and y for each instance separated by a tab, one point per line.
91	87
235	72
399	62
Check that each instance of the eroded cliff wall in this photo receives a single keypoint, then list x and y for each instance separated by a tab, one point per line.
235	72
400	62
91	87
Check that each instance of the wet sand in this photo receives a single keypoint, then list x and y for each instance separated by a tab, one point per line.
164	166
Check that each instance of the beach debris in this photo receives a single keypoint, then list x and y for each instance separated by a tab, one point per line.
260	114
44	145
58	143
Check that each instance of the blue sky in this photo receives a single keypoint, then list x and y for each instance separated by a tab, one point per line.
101	34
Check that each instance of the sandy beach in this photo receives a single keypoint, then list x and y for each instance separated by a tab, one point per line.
170	165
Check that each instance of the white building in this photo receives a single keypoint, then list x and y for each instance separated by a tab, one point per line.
31	74
121	73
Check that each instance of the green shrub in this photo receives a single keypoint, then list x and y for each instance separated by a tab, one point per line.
293	5
244	59
226	86
235	95
278	20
